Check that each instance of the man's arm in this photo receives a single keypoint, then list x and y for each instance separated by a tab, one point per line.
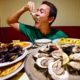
13	19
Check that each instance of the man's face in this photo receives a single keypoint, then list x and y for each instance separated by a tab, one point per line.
43	15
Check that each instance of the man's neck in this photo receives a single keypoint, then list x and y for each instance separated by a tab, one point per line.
45	29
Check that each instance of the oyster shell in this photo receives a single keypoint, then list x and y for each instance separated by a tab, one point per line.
44	48
56	70
76	49
75	56
57	54
75	65
67	48
39	55
43	62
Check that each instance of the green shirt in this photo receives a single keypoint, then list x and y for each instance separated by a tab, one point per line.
32	33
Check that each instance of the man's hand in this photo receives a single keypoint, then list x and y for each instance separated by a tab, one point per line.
30	6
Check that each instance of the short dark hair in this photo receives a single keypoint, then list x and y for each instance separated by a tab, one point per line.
53	9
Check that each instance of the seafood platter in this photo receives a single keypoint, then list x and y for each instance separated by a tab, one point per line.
59	60
12	58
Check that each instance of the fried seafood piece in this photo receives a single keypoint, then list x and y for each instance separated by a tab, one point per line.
4	71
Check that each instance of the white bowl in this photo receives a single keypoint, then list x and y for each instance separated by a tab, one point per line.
42	41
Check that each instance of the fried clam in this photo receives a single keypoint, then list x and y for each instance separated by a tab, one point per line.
5	71
3	45
56	70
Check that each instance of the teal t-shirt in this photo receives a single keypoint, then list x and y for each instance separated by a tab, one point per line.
32	33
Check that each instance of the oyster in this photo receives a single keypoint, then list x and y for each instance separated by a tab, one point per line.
35	17
75	56
57	54
44	48
56	70
39	55
55	47
43	62
67	48
75	65
76	49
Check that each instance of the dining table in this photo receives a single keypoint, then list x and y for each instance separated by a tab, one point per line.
29	72
22	75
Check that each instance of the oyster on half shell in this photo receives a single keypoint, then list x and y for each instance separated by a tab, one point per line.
75	65
43	62
76	49
58	54
75	56
56	70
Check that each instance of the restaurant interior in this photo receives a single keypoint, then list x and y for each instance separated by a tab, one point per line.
68	20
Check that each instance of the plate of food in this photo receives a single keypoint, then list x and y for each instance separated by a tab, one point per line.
9	71
10	54
23	44
67	41
55	61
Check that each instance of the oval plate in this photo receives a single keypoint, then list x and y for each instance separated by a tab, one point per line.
23	44
16	60
13	73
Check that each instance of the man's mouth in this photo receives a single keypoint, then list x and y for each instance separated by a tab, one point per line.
36	18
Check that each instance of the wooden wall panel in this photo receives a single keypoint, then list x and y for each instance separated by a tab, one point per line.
7	34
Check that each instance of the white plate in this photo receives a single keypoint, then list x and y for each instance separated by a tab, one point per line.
74	39
13	73
16	60
25	46
55	40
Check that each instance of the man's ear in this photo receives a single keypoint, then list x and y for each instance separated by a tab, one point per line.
51	19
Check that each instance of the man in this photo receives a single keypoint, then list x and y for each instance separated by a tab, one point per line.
46	14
